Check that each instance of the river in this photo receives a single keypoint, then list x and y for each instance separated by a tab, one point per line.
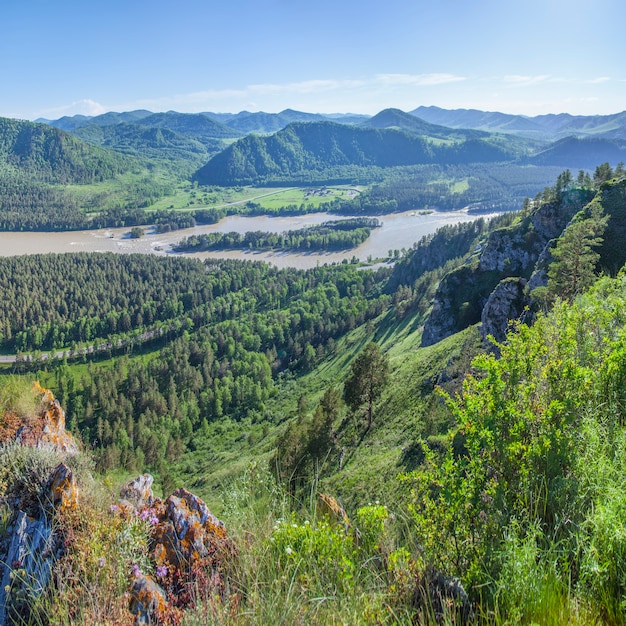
398	230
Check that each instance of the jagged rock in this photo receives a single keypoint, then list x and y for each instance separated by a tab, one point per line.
188	533
508	252
34	545
147	600
48	431
506	302
138	492
329	508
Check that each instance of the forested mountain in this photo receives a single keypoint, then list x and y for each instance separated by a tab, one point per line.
154	143
106	119
329	151
262	123
408	123
547	127
581	152
195	125
45	154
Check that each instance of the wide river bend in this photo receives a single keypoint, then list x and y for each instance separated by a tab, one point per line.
399	230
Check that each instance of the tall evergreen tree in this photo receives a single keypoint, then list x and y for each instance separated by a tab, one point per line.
368	377
575	260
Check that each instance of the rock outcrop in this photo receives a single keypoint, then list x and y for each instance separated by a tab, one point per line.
511	252
47	430
32	544
32	541
189	548
506	302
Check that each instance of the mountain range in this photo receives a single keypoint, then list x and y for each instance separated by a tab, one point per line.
299	147
543	127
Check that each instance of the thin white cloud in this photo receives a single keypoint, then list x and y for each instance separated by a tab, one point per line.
204	100
305	87
600	79
520	80
79	107
419	80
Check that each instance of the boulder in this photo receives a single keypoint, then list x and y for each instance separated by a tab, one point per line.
147	600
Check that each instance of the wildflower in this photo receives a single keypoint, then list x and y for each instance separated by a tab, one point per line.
288	550
161	571
154	520
136	570
102	561
114	508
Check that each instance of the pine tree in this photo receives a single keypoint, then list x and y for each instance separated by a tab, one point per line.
573	268
368	377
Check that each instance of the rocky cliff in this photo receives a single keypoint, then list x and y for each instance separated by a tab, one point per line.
507	253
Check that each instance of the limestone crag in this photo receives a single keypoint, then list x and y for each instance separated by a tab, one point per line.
506	302
511	252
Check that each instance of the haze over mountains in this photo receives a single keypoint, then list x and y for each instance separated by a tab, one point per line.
542	127
288	143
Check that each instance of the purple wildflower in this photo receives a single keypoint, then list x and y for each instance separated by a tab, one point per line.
161	571
136	571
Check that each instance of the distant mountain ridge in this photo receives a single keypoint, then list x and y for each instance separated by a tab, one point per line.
247	147
548	127
408	123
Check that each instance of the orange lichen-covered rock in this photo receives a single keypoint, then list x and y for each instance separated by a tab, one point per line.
189	548
62	488
188	532
47	430
147	600
329	508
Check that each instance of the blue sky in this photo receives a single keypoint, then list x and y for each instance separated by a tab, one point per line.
65	57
